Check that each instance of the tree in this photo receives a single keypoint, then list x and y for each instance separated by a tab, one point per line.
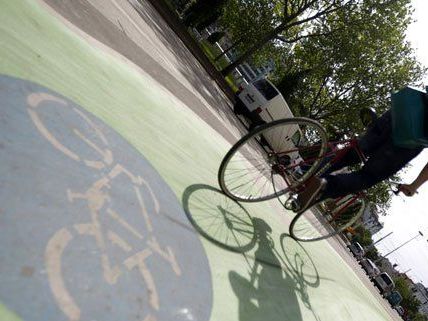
380	194
245	21
420	317
332	47
372	254
289	21
357	67
291	81
201	13
409	303
363	236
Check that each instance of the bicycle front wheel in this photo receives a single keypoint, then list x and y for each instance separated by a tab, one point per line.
327	218
272	159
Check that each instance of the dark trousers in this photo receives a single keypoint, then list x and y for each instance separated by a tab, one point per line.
384	160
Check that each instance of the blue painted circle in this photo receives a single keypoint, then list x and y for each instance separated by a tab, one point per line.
89	229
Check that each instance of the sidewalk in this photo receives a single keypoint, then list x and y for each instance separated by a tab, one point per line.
175	24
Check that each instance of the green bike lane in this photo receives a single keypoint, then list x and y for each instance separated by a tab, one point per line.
110	204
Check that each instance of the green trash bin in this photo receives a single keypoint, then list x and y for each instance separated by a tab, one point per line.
409	111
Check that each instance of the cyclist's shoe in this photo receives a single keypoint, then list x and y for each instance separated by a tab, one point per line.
311	193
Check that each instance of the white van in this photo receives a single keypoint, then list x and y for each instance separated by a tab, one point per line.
261	102
384	283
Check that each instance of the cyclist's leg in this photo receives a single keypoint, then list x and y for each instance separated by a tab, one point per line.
349	159
386	161
376	143
377	135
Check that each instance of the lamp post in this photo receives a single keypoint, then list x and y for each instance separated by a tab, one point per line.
411	239
368	248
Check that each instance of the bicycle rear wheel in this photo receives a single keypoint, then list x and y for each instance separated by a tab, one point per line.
327	218
272	159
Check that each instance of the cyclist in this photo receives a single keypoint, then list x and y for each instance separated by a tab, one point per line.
384	160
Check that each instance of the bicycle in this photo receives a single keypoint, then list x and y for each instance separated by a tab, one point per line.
276	159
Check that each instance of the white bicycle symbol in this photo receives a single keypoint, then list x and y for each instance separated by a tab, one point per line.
98	201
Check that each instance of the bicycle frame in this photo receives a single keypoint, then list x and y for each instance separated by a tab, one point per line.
336	151
344	207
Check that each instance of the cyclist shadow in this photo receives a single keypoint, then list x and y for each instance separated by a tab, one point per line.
218	218
276	281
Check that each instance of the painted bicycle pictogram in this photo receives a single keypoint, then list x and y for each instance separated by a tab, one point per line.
91	230
99	203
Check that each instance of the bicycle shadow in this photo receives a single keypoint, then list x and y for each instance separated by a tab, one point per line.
301	267
218	218
275	282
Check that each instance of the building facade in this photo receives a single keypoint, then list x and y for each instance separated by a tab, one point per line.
420	292
370	219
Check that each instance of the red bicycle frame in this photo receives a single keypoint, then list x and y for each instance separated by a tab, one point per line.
336	151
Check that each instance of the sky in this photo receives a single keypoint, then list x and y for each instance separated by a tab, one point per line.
409	215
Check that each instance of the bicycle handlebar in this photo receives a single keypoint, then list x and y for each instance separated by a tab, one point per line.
398	189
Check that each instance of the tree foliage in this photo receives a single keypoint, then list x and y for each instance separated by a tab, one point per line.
246	21
333	57
409	302
372	254
287	21
355	68
202	13
380	194
420	317
363	236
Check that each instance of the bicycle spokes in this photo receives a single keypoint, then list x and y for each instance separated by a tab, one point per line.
268	162
327	218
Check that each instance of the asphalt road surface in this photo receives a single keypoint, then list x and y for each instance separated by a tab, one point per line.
111	136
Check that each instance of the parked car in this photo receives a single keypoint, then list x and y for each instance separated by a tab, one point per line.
357	250
261	102
394	298
399	309
384	283
371	269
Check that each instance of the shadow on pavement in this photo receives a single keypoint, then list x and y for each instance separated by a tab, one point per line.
276	280
87	18
172	19
190	56
218	218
